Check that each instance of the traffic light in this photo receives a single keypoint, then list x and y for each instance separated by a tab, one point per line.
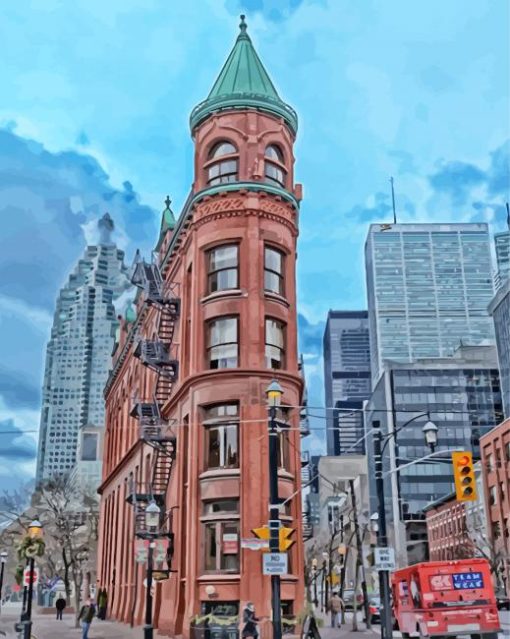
464	476
283	537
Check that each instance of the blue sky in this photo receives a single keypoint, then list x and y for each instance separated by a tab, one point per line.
94	105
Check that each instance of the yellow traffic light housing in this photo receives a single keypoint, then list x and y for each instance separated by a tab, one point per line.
464	476
283	537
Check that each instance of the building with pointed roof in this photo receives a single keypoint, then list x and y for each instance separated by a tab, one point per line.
186	399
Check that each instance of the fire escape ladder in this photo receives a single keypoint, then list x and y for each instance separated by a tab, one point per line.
164	458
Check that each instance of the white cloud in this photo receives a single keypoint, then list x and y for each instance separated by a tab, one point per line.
38	317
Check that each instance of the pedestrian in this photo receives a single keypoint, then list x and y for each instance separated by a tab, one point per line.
86	615
60	604
102	603
336	607
250	622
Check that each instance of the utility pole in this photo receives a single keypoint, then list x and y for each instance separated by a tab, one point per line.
382	535
274	516
3	559
359	560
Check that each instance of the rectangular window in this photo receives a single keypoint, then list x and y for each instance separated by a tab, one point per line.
222	343
275	344
222	438
273	270
283	450
221	546
89	447
493	496
222	268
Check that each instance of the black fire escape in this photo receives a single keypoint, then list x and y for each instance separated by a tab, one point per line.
159	355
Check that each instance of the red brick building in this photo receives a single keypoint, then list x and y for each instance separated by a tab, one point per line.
495	451
186	406
447	533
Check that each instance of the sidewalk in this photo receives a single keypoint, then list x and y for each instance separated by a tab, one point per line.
47	627
345	631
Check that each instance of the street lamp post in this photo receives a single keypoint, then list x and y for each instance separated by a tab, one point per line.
152	520
35	531
274	394
314	573
3	559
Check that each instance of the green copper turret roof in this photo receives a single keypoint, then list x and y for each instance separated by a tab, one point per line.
130	314
243	83
168	218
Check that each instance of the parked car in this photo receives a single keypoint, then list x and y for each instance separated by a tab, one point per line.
374	609
502	600
348	598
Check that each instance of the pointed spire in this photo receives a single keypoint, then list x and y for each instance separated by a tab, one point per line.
168	218
130	313
244	82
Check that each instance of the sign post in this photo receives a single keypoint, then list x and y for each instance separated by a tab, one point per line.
275	563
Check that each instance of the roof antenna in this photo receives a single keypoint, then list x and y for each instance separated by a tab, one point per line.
508	216
393	201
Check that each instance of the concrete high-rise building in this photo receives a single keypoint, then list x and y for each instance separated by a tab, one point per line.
499	308
346	348
502	246
78	359
428	287
459	394
186	399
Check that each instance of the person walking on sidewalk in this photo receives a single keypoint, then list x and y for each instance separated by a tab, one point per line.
86	615
60	604
336	607
102	603
250	622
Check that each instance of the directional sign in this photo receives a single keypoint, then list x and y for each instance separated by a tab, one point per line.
275	563
254	544
284	542
385	559
26	576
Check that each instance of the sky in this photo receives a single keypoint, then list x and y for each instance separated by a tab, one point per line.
94	104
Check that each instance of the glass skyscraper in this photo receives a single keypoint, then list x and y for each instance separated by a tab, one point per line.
428	288
347	379
78	359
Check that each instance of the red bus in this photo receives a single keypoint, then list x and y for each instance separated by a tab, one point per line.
445	599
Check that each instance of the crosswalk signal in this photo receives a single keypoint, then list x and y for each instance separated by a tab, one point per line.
464	476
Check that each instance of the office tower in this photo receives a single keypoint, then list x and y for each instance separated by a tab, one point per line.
459	394
428	288
346	347
502	246
78	358
499	308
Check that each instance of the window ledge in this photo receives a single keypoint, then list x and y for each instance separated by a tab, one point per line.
220	472
219	576
276	298
229	292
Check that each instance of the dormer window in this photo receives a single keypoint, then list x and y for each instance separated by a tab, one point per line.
274	168
222	164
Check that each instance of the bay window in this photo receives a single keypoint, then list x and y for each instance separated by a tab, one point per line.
222	268
222	165
220	524
275	344
274	169
222	342
273	270
222	437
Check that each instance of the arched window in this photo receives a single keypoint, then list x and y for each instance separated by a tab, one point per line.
222	164
274	169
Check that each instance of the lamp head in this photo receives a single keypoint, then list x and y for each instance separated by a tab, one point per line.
35	530
430	433
274	393
152	513
3	556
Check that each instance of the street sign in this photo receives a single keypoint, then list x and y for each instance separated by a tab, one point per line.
275	563
385	559
160	550
141	550
26	576
254	544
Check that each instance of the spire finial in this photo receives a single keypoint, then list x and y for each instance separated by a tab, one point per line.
243	24
168	201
